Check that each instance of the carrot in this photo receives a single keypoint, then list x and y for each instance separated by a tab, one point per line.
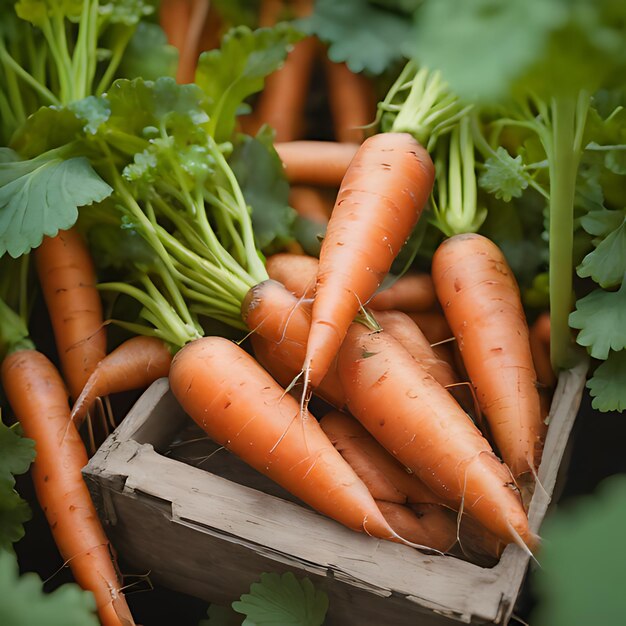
174	17
240	407
416	420
188	57
280	324
210	36
379	202
311	203
388	480
281	103
407	333
482	304
295	271
411	292
540	351
322	163
424	524
68	281
385	477
38	397
136	363
433	325
352	101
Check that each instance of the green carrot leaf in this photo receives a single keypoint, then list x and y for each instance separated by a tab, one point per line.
368	38
237	69
602	222
582	562
261	177
601	319
607	263
607	386
283	599
504	176
148	54
24	603
42	195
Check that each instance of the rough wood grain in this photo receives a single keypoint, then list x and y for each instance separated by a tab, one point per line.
203	534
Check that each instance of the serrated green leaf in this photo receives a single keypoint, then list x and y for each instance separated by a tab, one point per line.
283	601
601	318
615	161
607	386
504	176
148	54
16	453
24	603
367	37
261	178
237	69
607	263
14	512
41	196
127	12
38	11
582	561
92	111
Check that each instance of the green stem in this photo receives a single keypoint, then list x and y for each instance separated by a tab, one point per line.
564	155
114	63
43	91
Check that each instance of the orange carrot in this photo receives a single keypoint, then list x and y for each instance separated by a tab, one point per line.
388	480
411	292
311	203
188	57
136	363
280	324
68	281
385	477
379	202
352	101
210	36
295	271
433	325
38	397
281	103
322	163
240	407
418	421
482	304
404	330
540	351
174	17
424	524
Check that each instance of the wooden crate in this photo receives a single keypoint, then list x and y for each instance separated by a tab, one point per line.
202	534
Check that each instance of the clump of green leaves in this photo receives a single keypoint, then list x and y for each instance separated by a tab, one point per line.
16	455
24	603
582	566
276	599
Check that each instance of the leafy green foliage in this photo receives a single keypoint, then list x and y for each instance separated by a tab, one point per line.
582	565
148	54
261	178
42	195
504	176
607	263
221	616
608	383
16	455
24	603
601	318
237	69
369	38
283	601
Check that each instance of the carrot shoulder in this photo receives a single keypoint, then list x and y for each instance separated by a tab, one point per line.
68	281
416	420
481	301
240	407
379	202
37	395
